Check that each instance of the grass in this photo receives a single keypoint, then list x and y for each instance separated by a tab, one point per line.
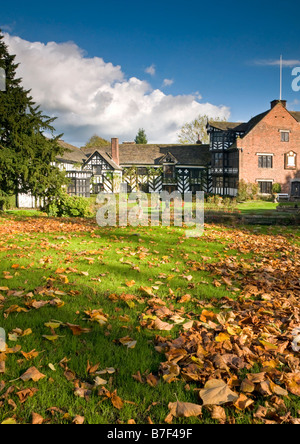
38	257
257	207
91	270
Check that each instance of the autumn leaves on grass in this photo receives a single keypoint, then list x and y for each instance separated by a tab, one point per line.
230	355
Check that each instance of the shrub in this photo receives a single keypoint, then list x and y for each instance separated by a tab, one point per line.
7	202
276	188
247	191
64	205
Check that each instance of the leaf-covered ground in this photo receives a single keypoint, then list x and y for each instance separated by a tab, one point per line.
144	325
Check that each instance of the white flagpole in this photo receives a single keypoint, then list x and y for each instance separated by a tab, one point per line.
280	95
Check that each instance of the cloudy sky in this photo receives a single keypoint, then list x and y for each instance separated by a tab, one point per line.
110	68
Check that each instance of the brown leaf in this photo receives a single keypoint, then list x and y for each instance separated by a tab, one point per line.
247	386
243	402
32	374
30	355
26	393
78	420
292	382
217	392
116	400
77	330
152	380
82	393
218	413
183	409
37	419
92	368
161	325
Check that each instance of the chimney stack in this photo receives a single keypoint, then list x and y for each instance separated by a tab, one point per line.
115	150
275	102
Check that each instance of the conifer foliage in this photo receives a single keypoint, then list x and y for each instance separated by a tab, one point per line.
27	156
141	137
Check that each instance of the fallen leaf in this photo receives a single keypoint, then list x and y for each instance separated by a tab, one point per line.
183	409
36	418
100	381
78	420
116	401
217	392
9	421
77	330
130	283
161	325
32	374
26	393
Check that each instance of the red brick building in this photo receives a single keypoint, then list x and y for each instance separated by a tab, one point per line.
263	151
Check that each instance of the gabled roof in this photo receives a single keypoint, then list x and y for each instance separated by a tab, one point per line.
242	127
246	127
168	158
105	156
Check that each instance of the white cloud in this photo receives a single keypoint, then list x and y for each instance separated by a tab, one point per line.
168	82
88	95
273	62
151	70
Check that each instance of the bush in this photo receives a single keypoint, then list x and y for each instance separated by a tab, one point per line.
247	191
276	188
64	205
7	202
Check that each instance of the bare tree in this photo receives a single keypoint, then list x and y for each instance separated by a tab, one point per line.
193	131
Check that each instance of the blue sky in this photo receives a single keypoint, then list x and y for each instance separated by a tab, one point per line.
223	54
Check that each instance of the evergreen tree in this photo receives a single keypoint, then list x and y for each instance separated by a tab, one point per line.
141	137
26	155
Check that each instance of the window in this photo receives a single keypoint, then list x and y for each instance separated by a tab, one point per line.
218	182
97	170
142	171
98	188
265	161
195	173
72	188
285	136
265	187
79	187
218	160
169	172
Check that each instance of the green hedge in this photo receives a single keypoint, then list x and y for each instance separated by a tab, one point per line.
64	205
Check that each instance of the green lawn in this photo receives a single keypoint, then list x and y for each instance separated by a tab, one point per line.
56	274
257	207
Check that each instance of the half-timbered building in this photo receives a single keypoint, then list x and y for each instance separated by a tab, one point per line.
156	167
263	151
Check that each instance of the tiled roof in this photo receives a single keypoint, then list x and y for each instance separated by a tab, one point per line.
296	115
72	154
152	154
225	126
246	126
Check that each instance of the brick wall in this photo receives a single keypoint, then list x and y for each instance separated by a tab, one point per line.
265	138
